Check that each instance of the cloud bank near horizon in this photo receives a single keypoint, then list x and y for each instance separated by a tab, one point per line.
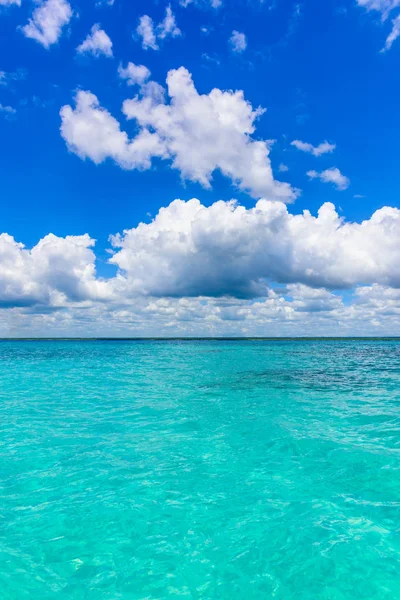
218	269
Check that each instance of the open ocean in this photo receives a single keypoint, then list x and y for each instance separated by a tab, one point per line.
200	469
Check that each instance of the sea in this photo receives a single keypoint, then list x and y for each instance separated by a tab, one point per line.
205	469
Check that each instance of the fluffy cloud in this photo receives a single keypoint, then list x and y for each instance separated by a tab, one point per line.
198	133
149	33
134	74
195	270
225	249
393	35
47	22
54	272
96	43
91	132
10	2
238	42
323	148
332	175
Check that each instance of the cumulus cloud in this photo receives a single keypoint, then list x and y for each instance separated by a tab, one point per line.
149	33
197	270
139	75
134	74
91	132
198	133
47	22
332	175
238	42
323	148
54	272
225	249
96	43
394	34
10	2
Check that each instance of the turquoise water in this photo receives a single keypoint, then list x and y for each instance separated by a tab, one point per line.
208	469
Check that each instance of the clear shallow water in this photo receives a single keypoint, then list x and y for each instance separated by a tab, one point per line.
213	469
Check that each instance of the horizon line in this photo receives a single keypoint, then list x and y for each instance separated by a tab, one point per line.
197	338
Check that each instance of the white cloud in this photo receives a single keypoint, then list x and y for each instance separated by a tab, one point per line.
198	133
224	249
10	2
332	175
151	33
47	22
206	3
238	41
9	110
91	132
96	43
134	74
196	270
372	310
323	148
55	271
383	6
139	75
283	168
11	76
145	30
168	26
394	34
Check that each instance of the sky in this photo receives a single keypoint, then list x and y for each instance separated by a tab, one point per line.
199	168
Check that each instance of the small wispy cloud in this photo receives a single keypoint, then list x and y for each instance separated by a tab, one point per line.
7	110
323	148
332	175
393	35
238	42
150	33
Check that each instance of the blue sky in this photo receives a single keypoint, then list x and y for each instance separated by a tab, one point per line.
318	70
